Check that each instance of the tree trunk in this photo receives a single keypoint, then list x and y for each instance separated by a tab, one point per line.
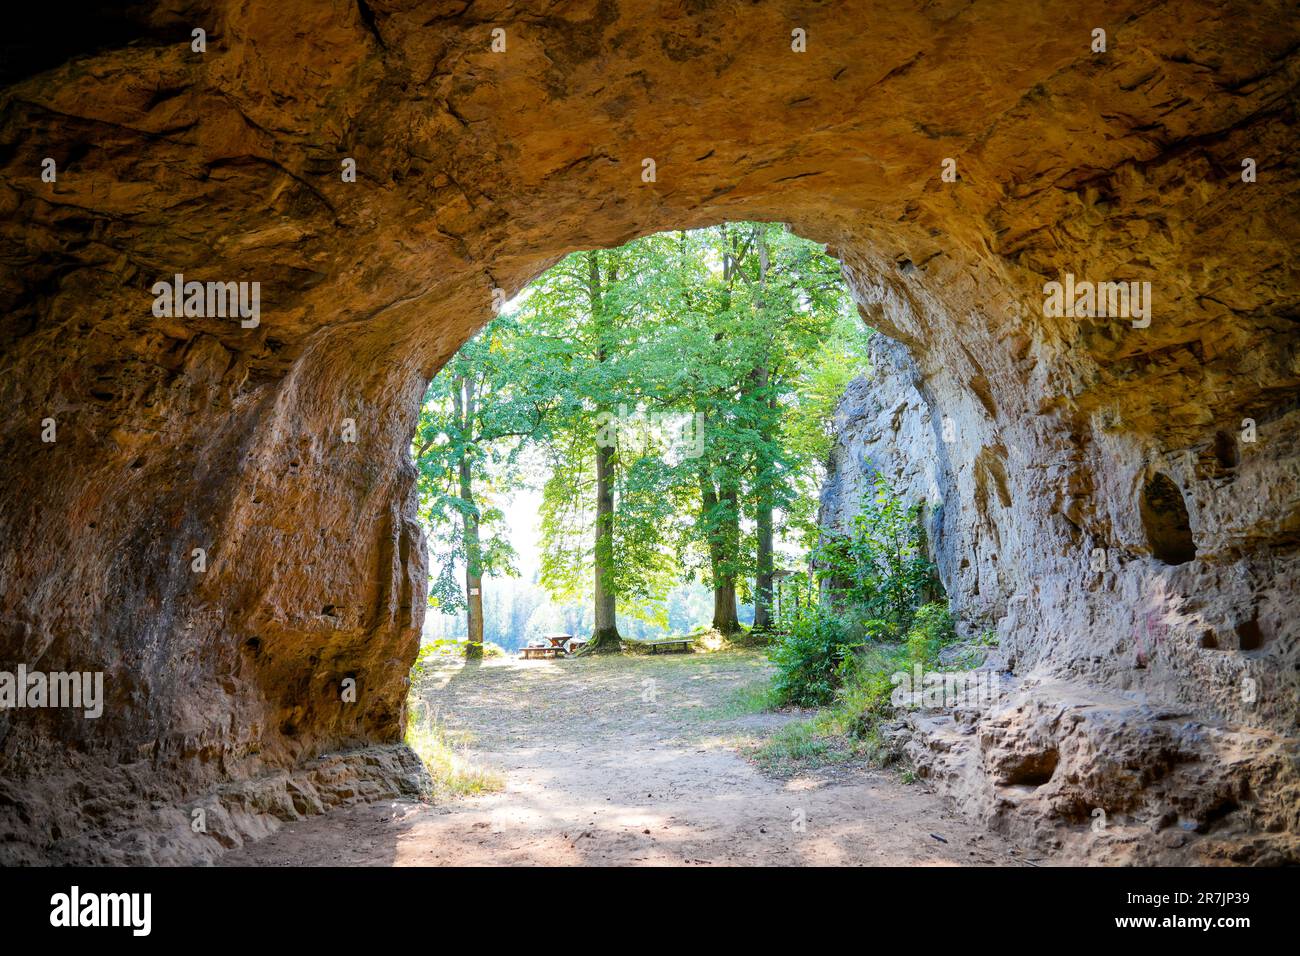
606	623
473	549
765	476
720	503
723	534
605	636
725	620
763	573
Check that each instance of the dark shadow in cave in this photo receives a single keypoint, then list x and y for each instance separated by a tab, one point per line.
1164	518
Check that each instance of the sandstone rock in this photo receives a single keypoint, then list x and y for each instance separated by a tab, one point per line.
1041	765
476	170
1102	777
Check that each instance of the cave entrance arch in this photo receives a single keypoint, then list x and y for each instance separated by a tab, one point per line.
475	171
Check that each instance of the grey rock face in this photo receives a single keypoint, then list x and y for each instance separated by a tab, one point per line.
1162	739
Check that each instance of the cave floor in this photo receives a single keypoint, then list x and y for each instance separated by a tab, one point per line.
634	760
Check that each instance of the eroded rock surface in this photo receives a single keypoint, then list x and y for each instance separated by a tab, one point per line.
476	170
1099	777
1121	773
1125	772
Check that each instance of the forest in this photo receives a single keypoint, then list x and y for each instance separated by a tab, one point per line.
666	405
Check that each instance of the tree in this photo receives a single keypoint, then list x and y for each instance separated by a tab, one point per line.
605	632
749	307
474	421
723	330
599	515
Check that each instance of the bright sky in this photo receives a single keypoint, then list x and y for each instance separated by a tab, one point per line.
524	528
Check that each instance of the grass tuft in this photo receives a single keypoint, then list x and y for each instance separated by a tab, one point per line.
441	750
750	699
850	726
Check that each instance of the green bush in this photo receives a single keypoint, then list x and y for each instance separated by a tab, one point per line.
931	629
880	572
874	583
819	662
811	657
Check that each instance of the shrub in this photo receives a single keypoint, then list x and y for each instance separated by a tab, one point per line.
811	657
875	580
819	662
880	572
931	629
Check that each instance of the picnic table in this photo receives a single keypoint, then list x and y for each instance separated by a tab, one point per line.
552	645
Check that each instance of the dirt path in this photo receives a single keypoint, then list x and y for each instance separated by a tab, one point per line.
633	761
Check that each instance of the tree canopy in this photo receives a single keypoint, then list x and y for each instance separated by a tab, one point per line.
672	397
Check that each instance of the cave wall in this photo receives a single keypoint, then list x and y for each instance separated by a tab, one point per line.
884	426
475	171
1116	758
1200	600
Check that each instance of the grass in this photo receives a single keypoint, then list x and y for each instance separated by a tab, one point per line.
830	736
833	734
440	749
846	730
750	699
850	727
841	732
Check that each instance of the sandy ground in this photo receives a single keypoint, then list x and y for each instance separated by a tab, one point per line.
633	760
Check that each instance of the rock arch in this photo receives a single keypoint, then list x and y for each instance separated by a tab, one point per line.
476	170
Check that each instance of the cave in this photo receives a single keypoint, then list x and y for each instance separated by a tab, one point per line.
1225	451
219	516
1164	516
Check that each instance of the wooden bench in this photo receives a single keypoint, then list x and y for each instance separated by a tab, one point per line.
535	652
680	646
